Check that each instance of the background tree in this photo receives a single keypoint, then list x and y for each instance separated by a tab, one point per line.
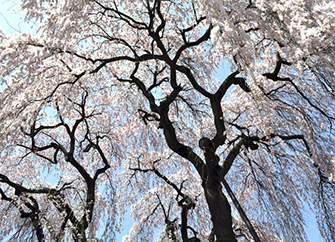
120	97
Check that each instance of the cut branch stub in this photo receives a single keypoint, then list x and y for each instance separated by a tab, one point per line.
205	144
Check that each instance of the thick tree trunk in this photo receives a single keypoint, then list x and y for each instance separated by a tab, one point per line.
218	204
220	210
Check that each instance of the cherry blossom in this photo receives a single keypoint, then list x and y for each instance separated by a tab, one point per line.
115	105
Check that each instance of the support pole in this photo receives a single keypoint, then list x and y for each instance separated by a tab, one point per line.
238	206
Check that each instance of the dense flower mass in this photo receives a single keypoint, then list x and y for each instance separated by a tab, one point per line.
122	105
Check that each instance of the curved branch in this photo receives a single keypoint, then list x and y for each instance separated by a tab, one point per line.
186	44
179	148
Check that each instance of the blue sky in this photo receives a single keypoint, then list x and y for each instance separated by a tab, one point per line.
12	22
